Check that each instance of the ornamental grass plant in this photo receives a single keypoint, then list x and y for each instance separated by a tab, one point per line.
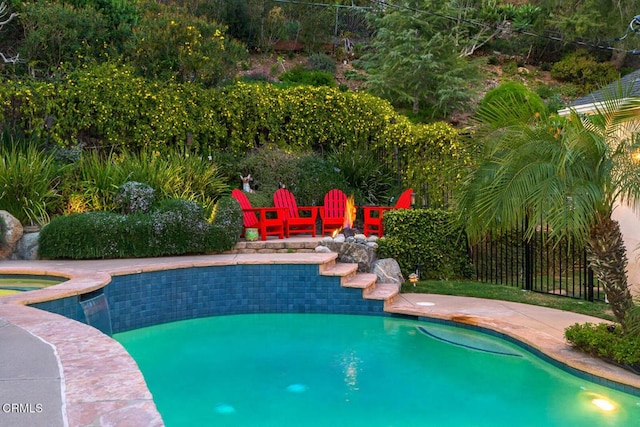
29	181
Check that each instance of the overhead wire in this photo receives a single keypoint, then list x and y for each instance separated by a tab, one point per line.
633	27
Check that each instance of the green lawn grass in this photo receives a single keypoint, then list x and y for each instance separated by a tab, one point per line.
509	293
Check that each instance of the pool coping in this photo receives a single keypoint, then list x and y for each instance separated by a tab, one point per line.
102	384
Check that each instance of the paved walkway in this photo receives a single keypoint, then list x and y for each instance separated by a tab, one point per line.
57	372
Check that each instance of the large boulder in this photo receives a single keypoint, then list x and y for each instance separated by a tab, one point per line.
27	247
354	252
12	235
388	271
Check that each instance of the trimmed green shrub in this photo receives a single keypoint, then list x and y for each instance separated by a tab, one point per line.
92	235
179	227
173	227
226	227
134	197
606	342
426	239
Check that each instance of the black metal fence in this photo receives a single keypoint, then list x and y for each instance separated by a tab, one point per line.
541	264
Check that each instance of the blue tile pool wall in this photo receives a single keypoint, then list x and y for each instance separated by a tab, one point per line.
147	299
68	307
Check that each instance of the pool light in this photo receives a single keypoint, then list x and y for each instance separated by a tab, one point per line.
603	404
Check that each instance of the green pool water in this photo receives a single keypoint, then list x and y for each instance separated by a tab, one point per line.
338	370
14	283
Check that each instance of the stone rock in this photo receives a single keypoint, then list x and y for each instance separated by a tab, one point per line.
27	247
322	249
339	238
355	253
388	271
372	238
360	236
12	235
327	239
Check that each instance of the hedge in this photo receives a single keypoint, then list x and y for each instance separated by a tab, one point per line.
425	238
109	105
173	227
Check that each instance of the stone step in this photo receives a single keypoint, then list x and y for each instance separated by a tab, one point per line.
341	269
383	291
350	278
363	281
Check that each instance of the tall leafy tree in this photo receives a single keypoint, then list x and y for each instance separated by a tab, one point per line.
414	58
569	172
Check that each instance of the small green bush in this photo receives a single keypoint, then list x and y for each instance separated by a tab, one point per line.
581	68
301	76
513	95
425	238
607	342
226	227
134	197
321	62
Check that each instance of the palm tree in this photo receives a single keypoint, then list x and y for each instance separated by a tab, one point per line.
570	171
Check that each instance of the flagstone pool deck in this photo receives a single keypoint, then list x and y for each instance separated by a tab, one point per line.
58	372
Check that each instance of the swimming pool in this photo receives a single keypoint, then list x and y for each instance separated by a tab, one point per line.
14	283
319	370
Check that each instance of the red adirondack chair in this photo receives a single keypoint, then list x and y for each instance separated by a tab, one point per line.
268	225
295	223
373	214
332	212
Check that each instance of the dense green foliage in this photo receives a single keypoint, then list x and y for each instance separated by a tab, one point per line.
29	182
301	76
93	181
425	239
134	197
436	159
226	227
172	227
171	43
607	342
580	68
415	62
515	96
109	106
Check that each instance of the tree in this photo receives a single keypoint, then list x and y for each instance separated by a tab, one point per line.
570	172
595	22
413	59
